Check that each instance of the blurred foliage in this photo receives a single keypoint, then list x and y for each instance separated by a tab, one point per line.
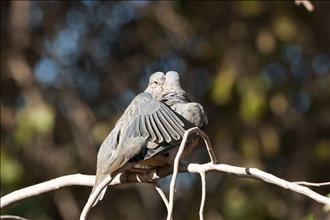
261	69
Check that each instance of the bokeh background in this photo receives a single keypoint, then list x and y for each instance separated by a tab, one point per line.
261	69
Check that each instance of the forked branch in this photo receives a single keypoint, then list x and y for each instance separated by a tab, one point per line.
154	175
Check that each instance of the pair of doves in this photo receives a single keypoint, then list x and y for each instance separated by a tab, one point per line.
150	128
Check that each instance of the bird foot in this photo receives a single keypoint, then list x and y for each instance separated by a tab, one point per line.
143	172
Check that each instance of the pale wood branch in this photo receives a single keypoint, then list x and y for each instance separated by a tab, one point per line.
162	194
306	3
261	175
11	217
311	184
175	172
176	166
203	198
88	180
94	196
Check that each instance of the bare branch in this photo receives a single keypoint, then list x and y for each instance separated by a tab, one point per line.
261	175
121	178
201	209
207	144
306	3
162	194
88	180
311	184
69	180
175	172
11	217
82	180
94	196
177	160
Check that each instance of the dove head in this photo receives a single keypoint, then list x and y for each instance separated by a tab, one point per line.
155	85
172	81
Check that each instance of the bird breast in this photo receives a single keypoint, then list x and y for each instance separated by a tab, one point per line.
192	111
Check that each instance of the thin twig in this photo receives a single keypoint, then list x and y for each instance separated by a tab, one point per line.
177	160
162	194
311	184
175	172
201	209
11	217
207	142
306	3
94	195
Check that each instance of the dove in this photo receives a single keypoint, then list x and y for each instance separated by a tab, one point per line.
147	127
176	98
191	113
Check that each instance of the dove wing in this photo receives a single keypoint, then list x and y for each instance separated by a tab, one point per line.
154	121
145	118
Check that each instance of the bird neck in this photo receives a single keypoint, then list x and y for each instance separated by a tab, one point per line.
172	97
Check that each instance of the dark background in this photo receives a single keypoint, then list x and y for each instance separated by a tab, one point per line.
261	70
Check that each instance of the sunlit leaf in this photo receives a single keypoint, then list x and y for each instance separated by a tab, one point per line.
11	170
252	106
265	42
253	102
309	217
235	200
278	104
270	141
222	88
277	208
322	150
250	8
285	28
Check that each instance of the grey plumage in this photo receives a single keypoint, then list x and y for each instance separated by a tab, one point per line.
191	113
146	128
151	126
175	97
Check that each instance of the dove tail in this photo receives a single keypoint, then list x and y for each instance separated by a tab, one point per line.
98	180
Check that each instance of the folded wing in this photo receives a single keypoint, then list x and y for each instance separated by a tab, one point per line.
157	123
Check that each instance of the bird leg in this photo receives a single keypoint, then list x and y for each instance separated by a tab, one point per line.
144	172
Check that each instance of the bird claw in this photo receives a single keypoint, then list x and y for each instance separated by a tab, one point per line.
143	172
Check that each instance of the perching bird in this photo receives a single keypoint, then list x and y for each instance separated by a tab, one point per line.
148	127
191	113
175	97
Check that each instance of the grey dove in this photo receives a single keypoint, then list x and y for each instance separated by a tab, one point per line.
191	112
175	97
146	129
